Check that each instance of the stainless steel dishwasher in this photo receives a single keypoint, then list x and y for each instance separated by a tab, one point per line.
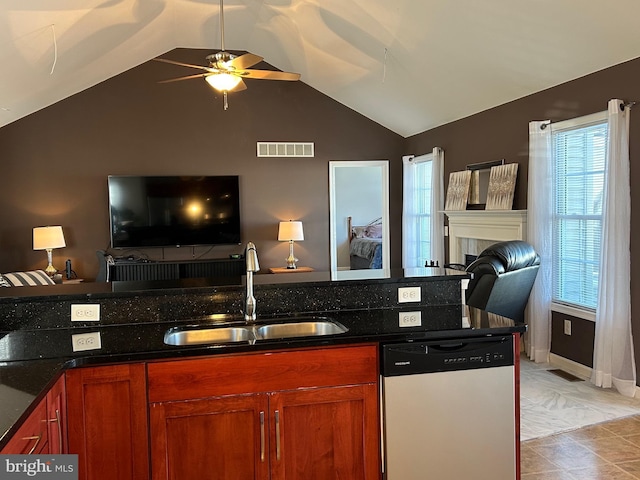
449	409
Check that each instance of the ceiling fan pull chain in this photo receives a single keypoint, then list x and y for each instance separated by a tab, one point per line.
226	104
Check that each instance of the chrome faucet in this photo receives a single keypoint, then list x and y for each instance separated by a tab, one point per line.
251	257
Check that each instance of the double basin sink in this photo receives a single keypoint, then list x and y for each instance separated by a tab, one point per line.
297	327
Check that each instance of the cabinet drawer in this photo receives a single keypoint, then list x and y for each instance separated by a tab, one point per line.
261	372
31	437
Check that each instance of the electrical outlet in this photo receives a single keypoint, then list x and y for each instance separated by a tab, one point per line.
410	319
567	327
408	294
86	341
85	312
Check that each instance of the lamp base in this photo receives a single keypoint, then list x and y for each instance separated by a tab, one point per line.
291	259
50	270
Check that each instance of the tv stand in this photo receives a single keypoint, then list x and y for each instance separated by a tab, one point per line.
131	270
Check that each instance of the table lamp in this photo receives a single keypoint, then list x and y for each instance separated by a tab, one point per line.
48	238
289	232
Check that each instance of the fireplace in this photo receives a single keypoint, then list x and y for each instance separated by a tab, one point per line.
471	231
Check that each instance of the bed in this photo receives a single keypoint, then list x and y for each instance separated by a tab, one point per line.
365	245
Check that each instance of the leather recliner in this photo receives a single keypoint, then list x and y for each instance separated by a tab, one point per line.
503	276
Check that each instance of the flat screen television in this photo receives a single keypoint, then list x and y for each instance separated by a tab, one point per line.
173	211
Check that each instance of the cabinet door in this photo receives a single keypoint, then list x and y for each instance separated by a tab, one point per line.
31	437
107	421
326	433
57	417
222	438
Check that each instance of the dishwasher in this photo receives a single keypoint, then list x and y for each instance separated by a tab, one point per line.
449	409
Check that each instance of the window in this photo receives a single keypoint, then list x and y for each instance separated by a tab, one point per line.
417	235
579	151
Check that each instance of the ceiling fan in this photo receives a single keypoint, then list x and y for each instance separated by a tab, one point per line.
226	71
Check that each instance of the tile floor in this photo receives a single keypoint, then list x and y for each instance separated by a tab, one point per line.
605	451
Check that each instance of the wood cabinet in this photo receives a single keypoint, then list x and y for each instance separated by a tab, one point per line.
44	431
309	414
57	417
32	437
107	421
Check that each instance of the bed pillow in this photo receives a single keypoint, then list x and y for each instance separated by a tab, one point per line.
28	279
358	232
373	231
3	282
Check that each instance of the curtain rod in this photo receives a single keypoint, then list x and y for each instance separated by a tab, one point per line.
624	105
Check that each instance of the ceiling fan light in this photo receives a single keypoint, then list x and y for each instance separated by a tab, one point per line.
223	82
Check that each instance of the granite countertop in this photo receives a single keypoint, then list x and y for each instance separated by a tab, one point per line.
31	360
36	329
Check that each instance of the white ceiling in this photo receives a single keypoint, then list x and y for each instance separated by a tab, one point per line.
410	65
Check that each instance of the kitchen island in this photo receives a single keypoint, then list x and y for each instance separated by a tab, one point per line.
37	338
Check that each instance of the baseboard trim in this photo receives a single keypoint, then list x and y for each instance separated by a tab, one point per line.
574	368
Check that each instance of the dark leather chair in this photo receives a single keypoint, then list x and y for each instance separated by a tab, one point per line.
503	276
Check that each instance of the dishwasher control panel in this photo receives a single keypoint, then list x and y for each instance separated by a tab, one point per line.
440	356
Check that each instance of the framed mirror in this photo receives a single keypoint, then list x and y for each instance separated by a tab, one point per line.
480	174
359	219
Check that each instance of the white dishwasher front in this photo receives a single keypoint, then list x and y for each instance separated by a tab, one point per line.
449	410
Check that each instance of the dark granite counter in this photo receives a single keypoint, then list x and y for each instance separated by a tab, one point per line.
36	330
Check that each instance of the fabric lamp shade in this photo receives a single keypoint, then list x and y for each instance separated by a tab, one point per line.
48	237
290	231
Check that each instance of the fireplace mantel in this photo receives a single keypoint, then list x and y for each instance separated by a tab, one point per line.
483	225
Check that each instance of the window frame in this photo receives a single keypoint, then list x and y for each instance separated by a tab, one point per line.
580	311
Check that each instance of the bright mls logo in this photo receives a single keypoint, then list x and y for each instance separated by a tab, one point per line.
50	467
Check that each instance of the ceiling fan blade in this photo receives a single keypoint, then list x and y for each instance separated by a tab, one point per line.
172	62
245	61
268	75
241	86
189	77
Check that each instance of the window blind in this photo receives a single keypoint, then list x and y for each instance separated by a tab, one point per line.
579	168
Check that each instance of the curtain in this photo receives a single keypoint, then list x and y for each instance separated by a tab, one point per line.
437	206
413	206
539	234
409	212
613	356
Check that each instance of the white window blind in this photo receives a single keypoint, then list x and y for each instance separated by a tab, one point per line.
417	211
579	165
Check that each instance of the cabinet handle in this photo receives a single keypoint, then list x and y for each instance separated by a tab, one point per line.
262	449
37	438
277	414
57	420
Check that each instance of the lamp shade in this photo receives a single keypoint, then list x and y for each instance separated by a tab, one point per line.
48	237
290	231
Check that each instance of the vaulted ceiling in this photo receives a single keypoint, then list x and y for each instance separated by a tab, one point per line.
409	65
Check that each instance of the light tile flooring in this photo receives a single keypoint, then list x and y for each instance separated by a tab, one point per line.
606	451
573	430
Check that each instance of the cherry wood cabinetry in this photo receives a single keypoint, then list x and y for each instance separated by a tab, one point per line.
295	414
44	431
32	437
107	421
57	417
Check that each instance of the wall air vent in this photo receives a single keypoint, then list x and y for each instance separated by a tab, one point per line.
285	149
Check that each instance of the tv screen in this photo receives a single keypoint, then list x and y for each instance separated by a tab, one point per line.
173	211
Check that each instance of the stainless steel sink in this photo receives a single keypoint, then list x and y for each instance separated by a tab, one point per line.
299	329
200	336
274	329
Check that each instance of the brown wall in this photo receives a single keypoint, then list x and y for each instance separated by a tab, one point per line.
55	162
502	132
